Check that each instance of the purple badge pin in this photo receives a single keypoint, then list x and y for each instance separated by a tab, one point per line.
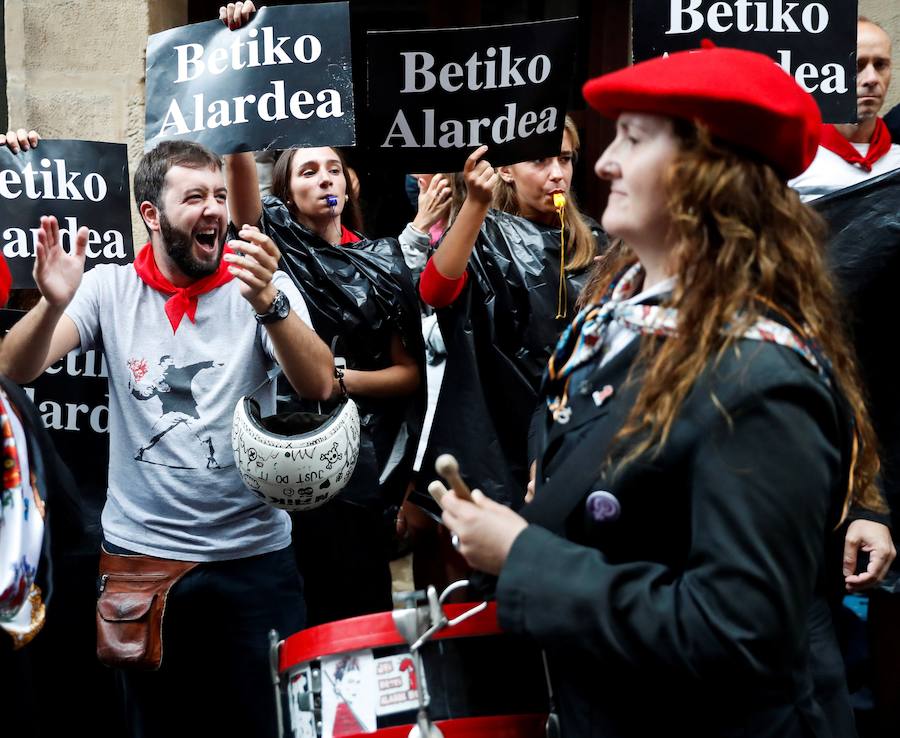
603	506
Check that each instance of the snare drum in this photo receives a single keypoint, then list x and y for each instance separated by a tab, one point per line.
358	677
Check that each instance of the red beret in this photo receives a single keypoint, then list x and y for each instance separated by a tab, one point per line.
5	281
743	97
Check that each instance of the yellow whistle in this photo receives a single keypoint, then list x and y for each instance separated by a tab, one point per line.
559	200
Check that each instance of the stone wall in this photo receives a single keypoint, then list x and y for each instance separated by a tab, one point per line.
76	69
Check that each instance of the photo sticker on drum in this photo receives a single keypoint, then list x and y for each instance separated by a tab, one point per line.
349	692
300	699
398	682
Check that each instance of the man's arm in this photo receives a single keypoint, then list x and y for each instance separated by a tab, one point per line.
304	358
244	202
38	340
399	379
45	334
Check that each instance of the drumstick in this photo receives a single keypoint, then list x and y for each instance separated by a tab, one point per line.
437	490
448	467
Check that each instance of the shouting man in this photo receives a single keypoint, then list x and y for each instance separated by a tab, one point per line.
187	301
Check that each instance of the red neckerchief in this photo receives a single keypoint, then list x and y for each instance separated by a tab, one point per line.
184	299
348	236
878	146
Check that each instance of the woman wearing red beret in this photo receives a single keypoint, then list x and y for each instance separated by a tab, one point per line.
703	431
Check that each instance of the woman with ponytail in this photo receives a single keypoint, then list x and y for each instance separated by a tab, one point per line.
504	280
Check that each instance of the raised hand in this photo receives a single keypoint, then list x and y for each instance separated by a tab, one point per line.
56	273
480	177
254	266
235	15
20	140
434	202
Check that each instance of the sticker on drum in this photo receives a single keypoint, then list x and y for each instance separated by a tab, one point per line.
300	700
398	684
348	694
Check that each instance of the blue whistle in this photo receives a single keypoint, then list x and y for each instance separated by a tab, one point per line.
331	200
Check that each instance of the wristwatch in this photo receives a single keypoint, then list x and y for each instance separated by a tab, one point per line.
278	310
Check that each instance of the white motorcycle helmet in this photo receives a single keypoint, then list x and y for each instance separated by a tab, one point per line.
295	461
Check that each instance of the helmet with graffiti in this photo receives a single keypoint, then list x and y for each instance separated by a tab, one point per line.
295	461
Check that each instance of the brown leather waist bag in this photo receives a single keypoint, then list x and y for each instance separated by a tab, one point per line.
130	608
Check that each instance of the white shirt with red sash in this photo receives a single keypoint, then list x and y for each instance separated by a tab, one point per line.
840	163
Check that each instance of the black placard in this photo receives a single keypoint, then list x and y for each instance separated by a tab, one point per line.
82	183
73	402
282	80
436	95
815	42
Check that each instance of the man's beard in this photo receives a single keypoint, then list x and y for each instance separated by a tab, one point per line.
179	246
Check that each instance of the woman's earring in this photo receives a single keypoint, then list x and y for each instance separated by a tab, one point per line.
346	198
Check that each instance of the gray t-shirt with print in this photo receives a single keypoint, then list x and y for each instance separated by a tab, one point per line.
174	491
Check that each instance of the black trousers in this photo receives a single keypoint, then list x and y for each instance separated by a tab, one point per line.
343	554
215	677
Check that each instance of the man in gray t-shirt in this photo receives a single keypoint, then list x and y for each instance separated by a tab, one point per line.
178	333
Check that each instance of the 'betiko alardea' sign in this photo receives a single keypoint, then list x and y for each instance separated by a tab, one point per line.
814	42
436	95
282	80
82	183
72	397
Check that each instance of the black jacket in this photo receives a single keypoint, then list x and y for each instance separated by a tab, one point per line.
864	254
688	614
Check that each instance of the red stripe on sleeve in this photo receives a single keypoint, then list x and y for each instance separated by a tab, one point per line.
437	290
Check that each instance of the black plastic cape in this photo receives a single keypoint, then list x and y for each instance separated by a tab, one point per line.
358	296
864	253
499	335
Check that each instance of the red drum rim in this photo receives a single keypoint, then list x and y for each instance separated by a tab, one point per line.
376	631
495	726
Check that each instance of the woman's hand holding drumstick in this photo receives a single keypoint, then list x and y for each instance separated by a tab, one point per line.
483	530
448	467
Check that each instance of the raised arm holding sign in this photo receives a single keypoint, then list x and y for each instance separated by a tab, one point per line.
278	77
456	248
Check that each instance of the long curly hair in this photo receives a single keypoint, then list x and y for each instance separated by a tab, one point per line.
743	245
582	246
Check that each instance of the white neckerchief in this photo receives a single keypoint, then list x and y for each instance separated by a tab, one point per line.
618	336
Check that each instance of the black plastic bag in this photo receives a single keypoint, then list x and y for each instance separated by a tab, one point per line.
499	335
864	253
